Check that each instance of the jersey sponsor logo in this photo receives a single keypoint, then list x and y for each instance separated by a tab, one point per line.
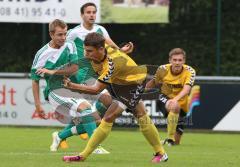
174	85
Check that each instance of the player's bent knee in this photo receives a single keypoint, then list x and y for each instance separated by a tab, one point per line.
88	119
96	117
101	108
106	99
174	107
110	117
139	114
83	106
140	110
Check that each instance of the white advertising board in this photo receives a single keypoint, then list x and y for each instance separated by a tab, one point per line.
230	122
17	105
43	11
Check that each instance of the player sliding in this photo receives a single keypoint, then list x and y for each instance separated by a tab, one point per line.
120	72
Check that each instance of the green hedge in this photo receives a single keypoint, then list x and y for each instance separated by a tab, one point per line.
192	26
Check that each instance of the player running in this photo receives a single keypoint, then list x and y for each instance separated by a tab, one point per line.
126	80
55	59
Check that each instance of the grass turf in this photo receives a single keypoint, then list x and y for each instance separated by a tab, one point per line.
30	147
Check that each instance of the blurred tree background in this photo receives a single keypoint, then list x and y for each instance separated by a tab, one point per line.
192	26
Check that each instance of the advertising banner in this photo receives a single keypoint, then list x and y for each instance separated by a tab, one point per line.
43	11
17	104
108	11
211	106
219	109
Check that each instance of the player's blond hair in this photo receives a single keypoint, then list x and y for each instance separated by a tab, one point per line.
177	51
56	23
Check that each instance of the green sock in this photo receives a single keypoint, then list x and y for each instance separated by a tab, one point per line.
66	132
69	126
101	108
89	124
71	130
80	129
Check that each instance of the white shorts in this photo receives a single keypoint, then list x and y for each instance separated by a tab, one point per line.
71	100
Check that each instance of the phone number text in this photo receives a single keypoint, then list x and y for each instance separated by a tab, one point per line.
32	12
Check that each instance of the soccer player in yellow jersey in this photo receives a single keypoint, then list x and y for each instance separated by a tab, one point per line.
175	81
126	78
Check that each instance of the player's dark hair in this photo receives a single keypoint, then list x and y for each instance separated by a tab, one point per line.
177	51
94	39
56	23
86	5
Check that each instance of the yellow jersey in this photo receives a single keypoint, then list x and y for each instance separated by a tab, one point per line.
172	85
118	68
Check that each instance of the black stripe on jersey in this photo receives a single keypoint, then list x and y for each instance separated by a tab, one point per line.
163	67
189	84
193	74
103	82
110	71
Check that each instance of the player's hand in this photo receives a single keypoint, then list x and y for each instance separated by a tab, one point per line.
172	104
43	71
127	48
41	113
66	82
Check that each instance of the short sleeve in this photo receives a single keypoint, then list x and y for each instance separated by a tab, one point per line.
190	78
160	73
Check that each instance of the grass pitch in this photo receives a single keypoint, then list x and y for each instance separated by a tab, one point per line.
29	147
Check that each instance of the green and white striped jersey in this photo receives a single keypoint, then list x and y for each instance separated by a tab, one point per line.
51	58
78	35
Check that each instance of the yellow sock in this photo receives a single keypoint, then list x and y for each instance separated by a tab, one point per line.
150	132
98	136
172	121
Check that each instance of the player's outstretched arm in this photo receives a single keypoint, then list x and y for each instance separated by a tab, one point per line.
67	71
88	89
110	42
127	48
150	84
38	107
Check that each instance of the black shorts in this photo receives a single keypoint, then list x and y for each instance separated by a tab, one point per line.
182	120
129	95
161	103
